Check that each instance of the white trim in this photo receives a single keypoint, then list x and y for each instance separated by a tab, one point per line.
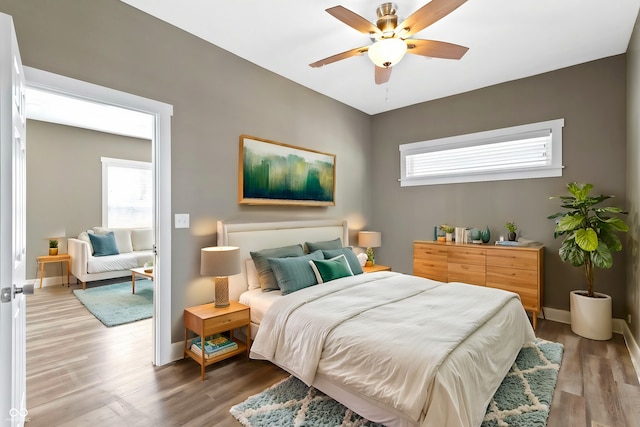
632	345
555	315
552	127
161	154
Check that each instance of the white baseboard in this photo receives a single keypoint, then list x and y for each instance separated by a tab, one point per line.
50	281
177	350
619	327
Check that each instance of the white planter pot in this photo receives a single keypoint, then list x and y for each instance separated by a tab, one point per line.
591	317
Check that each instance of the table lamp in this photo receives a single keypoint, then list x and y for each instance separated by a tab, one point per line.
220	262
370	240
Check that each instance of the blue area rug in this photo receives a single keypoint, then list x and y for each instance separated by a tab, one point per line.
522	400
115	304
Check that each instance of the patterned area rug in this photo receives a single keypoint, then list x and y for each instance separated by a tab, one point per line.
523	398
115	304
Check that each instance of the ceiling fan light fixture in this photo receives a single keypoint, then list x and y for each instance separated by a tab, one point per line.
387	52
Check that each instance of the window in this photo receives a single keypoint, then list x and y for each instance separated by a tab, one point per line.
127	193
519	152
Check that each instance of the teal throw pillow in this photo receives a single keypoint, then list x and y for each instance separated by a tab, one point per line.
324	245
352	259
295	273
331	269
104	244
260	258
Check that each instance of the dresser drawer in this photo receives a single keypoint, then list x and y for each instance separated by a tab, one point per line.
467	273
466	255
522	282
510	258
434	270
430	251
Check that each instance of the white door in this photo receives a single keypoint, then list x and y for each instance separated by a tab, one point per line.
12	229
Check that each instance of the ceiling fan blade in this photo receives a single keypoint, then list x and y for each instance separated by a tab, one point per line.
426	15
435	49
340	56
353	20
382	75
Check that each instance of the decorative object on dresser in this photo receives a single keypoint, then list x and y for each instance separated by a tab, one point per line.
206	320
590	238
448	229
272	173
370	240
516	269
511	228
220	262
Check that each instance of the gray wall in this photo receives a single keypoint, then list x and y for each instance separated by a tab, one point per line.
633	180
216	97
591	99
64	183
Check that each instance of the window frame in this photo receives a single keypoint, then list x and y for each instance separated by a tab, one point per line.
483	138
111	161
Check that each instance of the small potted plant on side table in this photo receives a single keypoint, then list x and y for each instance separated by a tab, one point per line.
511	228
53	247
590	239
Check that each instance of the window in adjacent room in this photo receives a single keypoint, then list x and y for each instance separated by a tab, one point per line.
519	152
127	193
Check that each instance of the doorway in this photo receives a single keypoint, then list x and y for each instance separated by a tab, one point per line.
160	114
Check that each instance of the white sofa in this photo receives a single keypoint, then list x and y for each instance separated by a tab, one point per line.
135	247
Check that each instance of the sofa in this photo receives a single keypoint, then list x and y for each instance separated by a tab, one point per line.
105	253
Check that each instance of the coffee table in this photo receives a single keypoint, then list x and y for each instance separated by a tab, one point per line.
140	271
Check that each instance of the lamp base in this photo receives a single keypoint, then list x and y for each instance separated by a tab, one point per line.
222	292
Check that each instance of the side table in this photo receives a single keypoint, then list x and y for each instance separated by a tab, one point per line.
42	260
376	267
207	319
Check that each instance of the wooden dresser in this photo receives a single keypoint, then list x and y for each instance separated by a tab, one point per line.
515	269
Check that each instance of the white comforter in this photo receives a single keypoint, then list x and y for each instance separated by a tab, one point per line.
382	335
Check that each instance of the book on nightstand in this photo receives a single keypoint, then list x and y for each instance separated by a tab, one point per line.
214	346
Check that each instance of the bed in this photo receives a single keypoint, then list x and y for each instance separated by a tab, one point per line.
397	349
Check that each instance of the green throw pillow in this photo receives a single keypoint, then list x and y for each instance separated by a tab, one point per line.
104	244
295	273
261	260
352	259
324	245
331	269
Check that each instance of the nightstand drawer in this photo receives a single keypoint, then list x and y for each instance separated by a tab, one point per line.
226	322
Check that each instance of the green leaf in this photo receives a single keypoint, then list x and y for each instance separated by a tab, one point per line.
587	239
569	222
612	241
571	253
617	224
601	257
608	209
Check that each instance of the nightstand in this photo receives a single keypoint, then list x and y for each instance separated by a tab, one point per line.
206	320
376	267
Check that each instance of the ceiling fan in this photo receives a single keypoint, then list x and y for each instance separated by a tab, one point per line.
392	41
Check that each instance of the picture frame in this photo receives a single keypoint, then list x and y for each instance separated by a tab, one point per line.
273	173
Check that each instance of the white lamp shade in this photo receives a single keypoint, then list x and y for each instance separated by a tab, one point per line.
370	239
219	261
387	52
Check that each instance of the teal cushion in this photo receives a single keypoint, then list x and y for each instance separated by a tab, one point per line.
104	244
352	259
261	260
295	273
331	269
324	245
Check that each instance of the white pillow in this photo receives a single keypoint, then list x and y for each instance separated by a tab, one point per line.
122	235
142	239
252	275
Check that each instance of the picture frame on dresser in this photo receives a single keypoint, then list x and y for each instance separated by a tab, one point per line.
273	173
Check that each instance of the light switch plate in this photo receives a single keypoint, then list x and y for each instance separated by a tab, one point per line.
182	220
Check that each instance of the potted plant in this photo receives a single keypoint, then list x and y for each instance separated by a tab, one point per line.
448	229
590	238
53	247
511	228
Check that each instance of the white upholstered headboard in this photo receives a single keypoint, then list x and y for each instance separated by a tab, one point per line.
256	236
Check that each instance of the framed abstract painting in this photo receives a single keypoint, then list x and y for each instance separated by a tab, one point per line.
273	173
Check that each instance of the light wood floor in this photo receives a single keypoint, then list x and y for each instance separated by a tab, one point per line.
81	373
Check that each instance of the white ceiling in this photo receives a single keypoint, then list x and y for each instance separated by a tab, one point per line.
507	40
